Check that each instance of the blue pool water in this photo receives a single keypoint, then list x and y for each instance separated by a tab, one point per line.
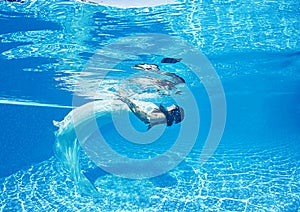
253	46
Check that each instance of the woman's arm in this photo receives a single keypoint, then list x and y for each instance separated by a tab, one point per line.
142	115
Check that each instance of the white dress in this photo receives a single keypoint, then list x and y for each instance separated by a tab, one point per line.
79	125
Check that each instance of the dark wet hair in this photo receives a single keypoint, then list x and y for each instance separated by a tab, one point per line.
176	115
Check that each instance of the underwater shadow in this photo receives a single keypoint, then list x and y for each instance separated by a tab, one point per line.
94	173
164	181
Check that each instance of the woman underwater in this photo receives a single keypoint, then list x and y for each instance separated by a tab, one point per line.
79	122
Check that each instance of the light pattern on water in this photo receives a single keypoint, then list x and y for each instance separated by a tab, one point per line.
254	47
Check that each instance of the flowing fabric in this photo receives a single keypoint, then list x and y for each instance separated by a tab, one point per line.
78	124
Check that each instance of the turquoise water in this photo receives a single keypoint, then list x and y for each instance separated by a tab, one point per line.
254	48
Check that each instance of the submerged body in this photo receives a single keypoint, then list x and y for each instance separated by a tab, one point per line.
157	115
79	125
